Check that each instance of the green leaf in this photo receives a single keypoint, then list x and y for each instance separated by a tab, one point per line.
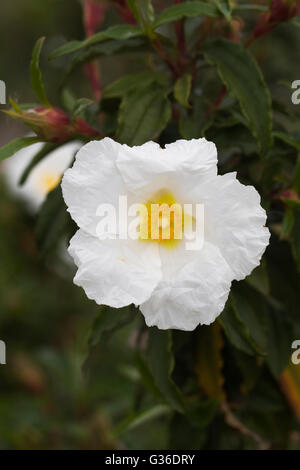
52	222
15	106
108	320
287	223
142	417
147	377
236	331
224	8
143	11
143	114
253	312
279	342
133	6
259	279
201	414
244	80
40	155
185	10
80	106
35	73
67	48
194	122
161	364
182	89
68	99
288	139
117	32
14	146
147	10
127	83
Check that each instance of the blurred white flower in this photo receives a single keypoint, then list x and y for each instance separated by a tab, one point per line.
174	287
43	178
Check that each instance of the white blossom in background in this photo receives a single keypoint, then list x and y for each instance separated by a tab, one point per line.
43	178
174	287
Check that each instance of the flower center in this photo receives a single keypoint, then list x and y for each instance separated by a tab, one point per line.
163	220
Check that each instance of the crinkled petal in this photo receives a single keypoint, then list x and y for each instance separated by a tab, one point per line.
146	169
194	294
93	180
115	272
234	221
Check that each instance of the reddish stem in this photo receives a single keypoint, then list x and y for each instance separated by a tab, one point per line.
164	56
93	16
179	28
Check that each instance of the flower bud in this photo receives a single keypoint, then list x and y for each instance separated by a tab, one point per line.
280	10
53	124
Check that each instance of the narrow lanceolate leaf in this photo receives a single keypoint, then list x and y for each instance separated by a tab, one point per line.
290	385
38	157
35	74
244	80
144	113
182	89
142	417
225	8
143	11
161	364
209	362
287	139
185	10
14	146
117	32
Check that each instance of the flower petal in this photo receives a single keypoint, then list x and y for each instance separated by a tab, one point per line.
115	272
195	294
148	168
93	180
235	222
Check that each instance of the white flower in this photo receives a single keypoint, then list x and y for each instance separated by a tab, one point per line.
44	177
174	287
